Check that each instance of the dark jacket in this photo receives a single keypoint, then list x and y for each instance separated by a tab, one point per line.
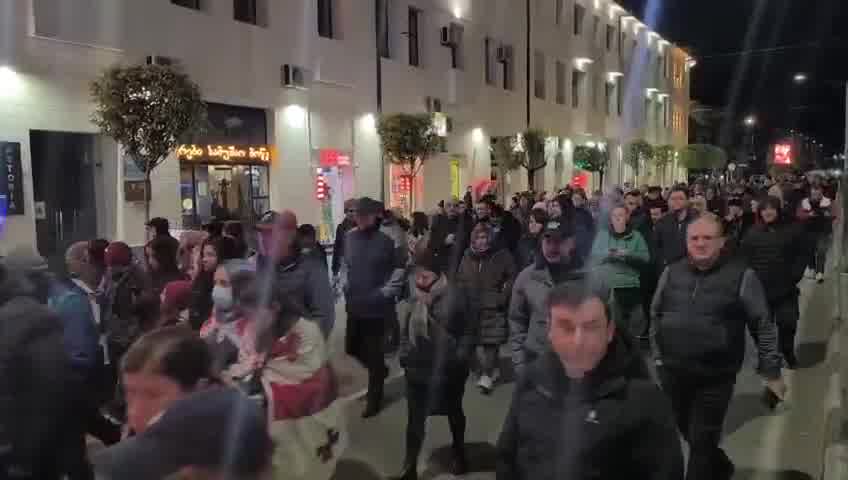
529	248
376	268
122	292
306	280
615	424
338	245
670	238
487	279
736	230
776	254
35	387
447	350
444	225
81	335
699	319
201	300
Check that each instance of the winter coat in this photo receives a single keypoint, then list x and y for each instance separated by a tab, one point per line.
670	238
122	294
614	424
529	248
338	245
452	333
620	272
699	319
376	270
307	281
528	309
488	278
201	300
81	335
36	388
776	253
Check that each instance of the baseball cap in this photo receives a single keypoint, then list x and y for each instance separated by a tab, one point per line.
557	229
369	206
219	429
285	220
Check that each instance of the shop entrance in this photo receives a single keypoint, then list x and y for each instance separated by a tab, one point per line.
63	173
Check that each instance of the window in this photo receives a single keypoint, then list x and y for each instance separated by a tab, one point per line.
576	86
609	90
647	111
193	4
325	18
539	79
412	33
596	26
383	29
665	112
579	13
596	89
560	83
487	58
456	32
245	11
508	72
560	8
619	93
610	37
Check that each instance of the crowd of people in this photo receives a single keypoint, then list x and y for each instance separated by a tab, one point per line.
623	316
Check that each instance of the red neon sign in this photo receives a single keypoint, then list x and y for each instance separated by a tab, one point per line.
330	157
783	154
581	180
321	189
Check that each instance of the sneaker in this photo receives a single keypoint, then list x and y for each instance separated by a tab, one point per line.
819	277
485	384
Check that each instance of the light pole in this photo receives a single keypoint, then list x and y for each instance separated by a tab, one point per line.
750	124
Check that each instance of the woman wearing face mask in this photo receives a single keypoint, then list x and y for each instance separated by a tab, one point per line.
214	252
487	275
529	246
618	256
230	336
774	250
437	338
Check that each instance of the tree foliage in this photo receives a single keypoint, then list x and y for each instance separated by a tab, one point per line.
148	109
639	153
408	140
664	155
591	159
702	156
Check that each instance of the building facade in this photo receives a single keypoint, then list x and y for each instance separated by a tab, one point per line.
301	83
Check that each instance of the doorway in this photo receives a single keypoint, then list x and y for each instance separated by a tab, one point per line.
63	173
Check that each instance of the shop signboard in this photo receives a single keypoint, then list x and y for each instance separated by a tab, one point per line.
783	154
226	154
330	157
12	182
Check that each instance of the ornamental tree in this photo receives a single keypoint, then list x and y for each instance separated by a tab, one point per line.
663	157
408	140
699	156
529	153
149	110
591	159
638	153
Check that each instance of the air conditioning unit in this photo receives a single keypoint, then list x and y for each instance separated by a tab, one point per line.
446	37
159	60
292	76
504	54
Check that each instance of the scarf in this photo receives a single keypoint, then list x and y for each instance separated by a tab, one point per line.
419	317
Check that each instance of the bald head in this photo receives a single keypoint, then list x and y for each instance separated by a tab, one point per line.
705	240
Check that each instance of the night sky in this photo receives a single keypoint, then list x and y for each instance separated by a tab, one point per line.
762	84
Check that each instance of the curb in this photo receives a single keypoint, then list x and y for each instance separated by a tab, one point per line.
835	458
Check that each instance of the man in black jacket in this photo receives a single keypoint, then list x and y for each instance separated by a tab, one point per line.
670	232
445	235
588	409
376	269
700	311
341	232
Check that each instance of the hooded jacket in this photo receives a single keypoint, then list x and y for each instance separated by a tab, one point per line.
776	253
613	424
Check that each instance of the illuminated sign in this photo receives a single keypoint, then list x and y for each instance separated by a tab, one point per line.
330	157
225	154
783	154
581	180
322	191
11	179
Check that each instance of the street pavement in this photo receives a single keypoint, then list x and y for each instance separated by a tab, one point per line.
786	444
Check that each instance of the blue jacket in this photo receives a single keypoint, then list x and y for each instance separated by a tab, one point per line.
81	336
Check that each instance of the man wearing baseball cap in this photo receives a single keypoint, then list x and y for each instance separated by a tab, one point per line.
528	317
215	433
304	278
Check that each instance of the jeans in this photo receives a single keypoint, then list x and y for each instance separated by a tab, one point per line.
785	312
365	341
700	405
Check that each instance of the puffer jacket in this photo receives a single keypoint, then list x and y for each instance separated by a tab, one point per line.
776	253
488	279
615	424
452	333
307	280
620	272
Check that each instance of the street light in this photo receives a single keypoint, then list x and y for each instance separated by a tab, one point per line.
799	78
750	121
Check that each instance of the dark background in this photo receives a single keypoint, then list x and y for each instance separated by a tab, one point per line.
762	83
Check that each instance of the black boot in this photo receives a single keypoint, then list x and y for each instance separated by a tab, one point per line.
409	472
459	464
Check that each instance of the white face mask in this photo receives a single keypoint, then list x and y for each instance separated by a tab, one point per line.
222	297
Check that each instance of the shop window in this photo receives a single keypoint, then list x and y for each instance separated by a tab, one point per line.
223	192
192	4
325	19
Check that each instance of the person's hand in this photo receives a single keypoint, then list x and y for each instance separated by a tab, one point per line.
449	239
778	387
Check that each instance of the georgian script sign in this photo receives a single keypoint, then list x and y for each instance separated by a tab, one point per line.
11	179
226	154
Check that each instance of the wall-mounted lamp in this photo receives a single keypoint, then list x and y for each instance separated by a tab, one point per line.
612	76
369	123
477	135
295	116
581	63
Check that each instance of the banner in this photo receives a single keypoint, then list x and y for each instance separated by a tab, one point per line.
12	181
